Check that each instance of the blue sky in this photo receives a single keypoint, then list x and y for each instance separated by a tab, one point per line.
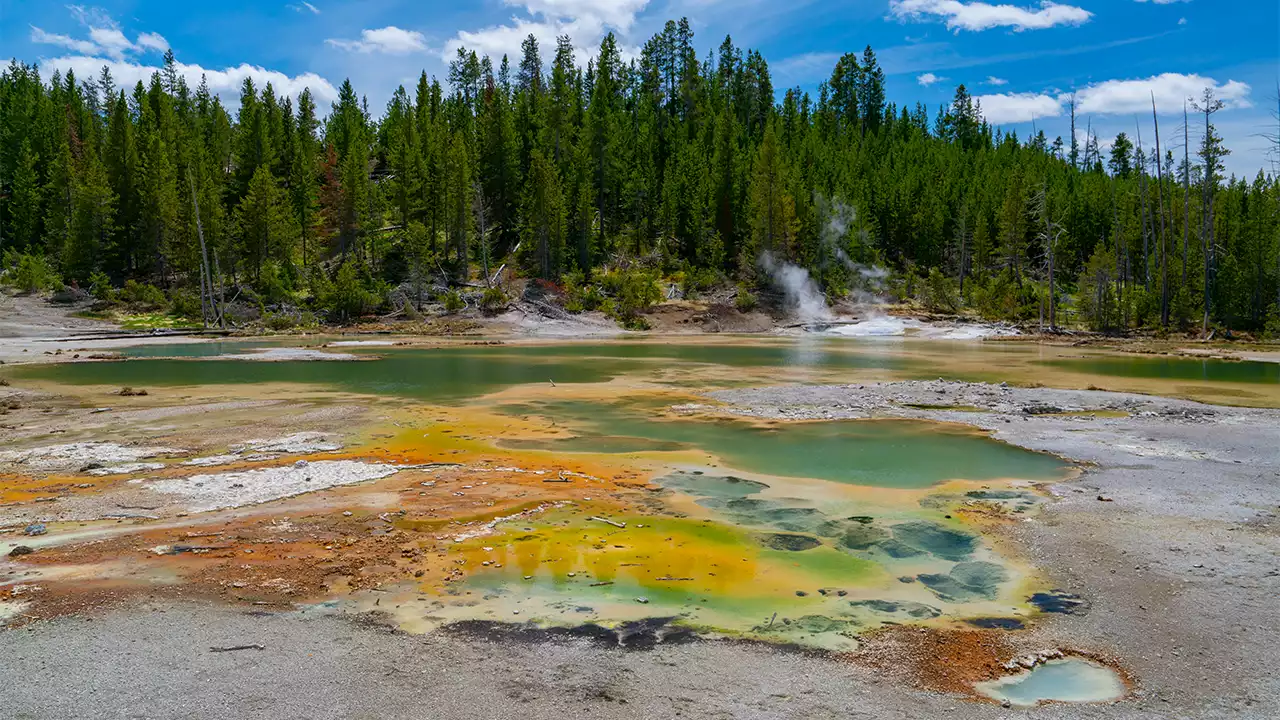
1022	57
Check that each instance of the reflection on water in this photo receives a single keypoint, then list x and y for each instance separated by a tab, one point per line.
1173	368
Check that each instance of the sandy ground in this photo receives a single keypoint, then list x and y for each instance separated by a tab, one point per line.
155	661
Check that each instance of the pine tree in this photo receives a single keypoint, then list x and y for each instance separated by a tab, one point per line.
544	217
92	220
24	201
266	229
773	218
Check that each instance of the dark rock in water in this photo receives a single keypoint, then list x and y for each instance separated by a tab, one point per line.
711	486
792	543
897	550
1057	601
636	635
967	582
1041	410
801	593
937	539
916	610
813	624
996	623
996	494
792	519
864	519
21	550
862	537
35	529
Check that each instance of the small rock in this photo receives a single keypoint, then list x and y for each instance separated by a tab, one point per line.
35	529
801	593
642	600
1105	498
300	463
346	513
21	550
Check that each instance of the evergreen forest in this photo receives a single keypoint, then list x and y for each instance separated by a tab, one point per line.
604	183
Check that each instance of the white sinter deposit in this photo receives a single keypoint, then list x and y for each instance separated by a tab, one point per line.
250	487
73	456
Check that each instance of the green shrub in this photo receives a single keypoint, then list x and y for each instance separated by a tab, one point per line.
635	291
288	320
31	273
100	287
347	297
580	296
143	295
1272	329
185	304
275	285
493	299
940	293
453	301
694	281
745	300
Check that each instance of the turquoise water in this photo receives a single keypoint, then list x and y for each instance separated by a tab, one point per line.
1173	368
441	374
1067	680
883	453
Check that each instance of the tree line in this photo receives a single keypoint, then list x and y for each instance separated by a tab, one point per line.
669	166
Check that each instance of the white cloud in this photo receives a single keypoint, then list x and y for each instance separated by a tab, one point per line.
1182	21
618	14
984	16
390	40
928	79
586	21
1003	108
1115	97
105	36
314	10
66	41
110	41
993	80
225	82
152	41
1162	2
1170	90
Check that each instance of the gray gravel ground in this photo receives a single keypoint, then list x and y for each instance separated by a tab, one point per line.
155	662
1182	569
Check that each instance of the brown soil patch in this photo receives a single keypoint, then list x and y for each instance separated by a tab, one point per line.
944	659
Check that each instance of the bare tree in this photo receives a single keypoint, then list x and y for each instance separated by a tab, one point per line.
1186	189
1075	145
1273	140
480	206
963	234
1146	214
1164	254
1049	233
1211	154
